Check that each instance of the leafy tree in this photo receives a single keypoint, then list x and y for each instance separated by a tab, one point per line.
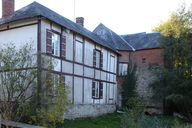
18	88
17	80
175	79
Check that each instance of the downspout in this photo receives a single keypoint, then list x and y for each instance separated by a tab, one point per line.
39	68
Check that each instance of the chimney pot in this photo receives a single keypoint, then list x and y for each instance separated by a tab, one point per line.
80	21
8	7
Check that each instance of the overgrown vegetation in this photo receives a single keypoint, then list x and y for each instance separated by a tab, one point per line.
54	102
116	120
129	84
17	80
134	117
174	84
19	91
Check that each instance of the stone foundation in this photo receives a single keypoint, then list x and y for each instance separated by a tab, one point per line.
80	111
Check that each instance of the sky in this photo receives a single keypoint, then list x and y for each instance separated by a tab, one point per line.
121	16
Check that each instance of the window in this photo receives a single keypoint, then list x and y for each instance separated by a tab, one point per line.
56	80
97	90
97	59
63	47
79	52
143	60
112	63
123	68
53	44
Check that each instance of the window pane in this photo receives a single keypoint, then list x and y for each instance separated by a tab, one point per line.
79	52
55	44
97	90
98	56
123	69
112	64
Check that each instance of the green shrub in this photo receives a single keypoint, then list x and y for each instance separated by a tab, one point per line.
52	110
133	113
129	84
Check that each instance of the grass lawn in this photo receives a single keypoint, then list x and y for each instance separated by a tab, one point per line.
106	121
114	121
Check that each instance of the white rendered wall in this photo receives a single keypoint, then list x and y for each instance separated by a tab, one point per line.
20	36
78	88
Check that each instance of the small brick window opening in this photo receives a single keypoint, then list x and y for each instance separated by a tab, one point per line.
143	60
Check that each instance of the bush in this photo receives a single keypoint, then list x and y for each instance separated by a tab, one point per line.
178	103
54	104
133	113
134	117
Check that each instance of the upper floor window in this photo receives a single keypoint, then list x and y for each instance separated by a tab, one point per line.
123	68
55	45
112	63
97	59
97	90
79	52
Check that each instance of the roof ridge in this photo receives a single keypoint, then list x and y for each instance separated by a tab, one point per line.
128	43
116	39
36	9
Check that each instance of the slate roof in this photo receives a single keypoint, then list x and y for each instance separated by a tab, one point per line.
112	38
141	41
35	10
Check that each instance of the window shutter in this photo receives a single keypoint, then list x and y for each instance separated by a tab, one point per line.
93	89
63	47
101	90
94	58
49	43
101	61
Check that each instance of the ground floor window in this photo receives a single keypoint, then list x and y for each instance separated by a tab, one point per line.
97	90
52	82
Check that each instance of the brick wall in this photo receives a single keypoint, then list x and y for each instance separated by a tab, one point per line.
124	56
147	58
143	59
8	7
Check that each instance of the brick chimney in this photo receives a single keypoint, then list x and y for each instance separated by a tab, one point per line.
80	21
8	7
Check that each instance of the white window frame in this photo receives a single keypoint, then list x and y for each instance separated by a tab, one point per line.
98	59
112	63
123	68
98	92
55	44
